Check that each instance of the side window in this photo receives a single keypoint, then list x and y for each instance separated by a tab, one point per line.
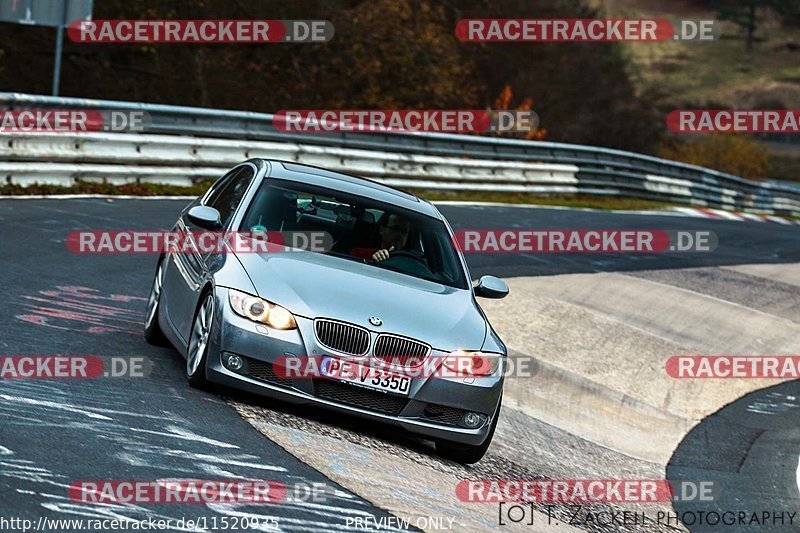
220	184
226	196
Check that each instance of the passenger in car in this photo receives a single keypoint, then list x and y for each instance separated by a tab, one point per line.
393	231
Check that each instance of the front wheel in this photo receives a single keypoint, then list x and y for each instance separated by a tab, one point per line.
197	351
152	331
468	454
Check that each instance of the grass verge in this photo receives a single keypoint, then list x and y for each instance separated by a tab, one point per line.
153	189
133	189
565	200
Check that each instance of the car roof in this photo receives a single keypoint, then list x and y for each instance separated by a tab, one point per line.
329	179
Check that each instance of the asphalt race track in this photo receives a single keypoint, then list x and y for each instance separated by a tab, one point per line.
751	447
56	432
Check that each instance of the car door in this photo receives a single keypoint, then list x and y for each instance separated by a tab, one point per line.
186	273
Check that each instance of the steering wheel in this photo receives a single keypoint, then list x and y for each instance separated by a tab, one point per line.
408	253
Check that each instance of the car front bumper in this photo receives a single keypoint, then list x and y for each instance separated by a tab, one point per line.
432	407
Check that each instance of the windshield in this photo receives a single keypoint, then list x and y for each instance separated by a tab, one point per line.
363	230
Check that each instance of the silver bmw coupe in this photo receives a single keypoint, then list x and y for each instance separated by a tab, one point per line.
390	294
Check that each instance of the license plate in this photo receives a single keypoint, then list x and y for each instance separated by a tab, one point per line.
365	376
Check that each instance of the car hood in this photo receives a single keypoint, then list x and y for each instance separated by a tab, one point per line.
314	285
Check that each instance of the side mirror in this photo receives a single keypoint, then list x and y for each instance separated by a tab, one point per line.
491	287
204	217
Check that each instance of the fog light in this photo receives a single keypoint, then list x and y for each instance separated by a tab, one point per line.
233	362
473	420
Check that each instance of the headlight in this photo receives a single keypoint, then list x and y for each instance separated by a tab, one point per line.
259	310
472	363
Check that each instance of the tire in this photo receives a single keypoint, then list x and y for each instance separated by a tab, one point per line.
152	331
197	350
468	454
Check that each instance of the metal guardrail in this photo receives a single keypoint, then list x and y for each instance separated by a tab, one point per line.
182	160
192	143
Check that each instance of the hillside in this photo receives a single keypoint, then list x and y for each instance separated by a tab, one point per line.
721	74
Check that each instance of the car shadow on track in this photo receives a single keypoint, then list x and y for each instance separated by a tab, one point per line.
749	450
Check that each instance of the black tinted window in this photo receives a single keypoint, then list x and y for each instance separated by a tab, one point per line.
227	194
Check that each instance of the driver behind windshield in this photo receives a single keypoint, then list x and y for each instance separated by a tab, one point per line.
393	231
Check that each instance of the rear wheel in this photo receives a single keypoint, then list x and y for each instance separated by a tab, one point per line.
468	453
152	331
197	351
